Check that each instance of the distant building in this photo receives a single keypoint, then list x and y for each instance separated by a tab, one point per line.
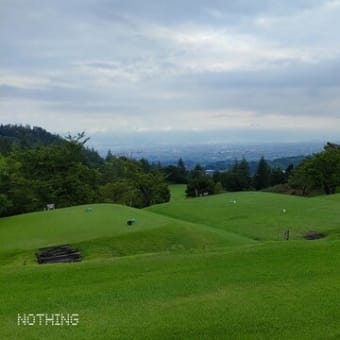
209	172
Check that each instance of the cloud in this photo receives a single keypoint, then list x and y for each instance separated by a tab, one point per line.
171	66
22	82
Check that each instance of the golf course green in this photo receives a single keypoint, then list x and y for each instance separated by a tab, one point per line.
215	267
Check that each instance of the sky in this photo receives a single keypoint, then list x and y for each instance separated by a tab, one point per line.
236	70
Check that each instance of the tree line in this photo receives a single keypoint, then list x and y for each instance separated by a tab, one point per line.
316	174
238	178
37	168
319	173
66	173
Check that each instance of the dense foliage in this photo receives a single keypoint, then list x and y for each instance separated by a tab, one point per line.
238	178
199	183
38	168
318	172
176	174
25	137
66	173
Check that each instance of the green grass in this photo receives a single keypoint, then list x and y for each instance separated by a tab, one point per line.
104	232
177	192
259	215
201	268
273	291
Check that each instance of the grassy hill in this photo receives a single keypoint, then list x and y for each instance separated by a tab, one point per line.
101	230
259	215
203	268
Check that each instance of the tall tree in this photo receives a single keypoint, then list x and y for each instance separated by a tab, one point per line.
243	175
304	177
262	175
277	176
176	174
320	171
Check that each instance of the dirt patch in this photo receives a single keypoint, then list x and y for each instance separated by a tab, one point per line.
313	235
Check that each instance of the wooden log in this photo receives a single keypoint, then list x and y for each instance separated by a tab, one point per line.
62	253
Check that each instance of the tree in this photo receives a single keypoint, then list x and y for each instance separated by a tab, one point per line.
67	173
150	189
5	203
121	192
289	170
200	186
237	178
182	172
321	171
243	175
277	176
304	177
229	181
109	156
327	168
262	175
176	174
55	173
199	183
135	183
18	192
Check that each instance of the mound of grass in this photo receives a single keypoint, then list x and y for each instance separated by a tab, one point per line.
194	270
258	215
103	231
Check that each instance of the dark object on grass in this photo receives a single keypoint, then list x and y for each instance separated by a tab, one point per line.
62	253
286	235
313	235
131	221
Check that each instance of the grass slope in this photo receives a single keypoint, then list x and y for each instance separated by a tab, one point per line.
194	270
177	192
259	215
103	232
280	290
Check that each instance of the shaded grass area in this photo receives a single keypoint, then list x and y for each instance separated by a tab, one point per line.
281	290
259	215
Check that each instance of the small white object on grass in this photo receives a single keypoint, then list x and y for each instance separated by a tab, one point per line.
284	211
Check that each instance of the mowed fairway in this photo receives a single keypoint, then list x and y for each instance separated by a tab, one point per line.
259	215
202	268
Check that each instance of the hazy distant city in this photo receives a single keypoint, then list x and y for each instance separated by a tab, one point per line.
206	154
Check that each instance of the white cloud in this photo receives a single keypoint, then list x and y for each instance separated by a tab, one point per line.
141	66
22	81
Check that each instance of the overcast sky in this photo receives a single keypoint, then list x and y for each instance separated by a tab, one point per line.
251	68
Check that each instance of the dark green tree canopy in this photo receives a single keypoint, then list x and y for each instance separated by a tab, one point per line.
318	172
262	175
67	173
